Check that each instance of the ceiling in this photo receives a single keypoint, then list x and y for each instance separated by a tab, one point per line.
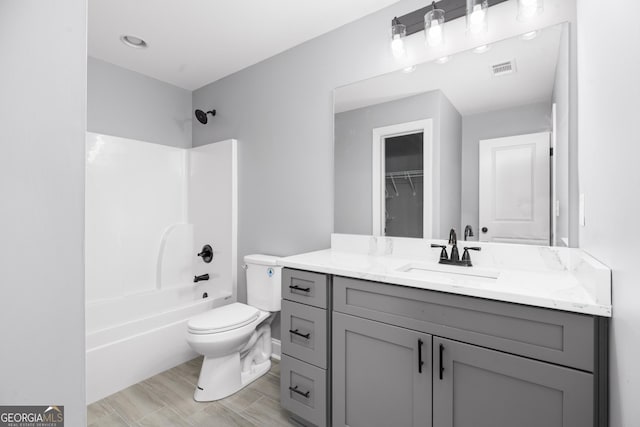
194	42
467	79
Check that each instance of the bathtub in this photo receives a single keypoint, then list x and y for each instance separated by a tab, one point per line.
137	336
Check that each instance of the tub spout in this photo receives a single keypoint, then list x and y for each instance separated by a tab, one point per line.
197	279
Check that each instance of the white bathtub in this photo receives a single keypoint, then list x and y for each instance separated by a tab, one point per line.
135	337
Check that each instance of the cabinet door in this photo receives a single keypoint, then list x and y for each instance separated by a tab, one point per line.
477	387
381	374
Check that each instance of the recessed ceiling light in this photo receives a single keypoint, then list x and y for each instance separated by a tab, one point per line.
133	41
443	60
482	49
409	69
529	36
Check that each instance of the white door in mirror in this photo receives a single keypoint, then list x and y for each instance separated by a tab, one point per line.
514	189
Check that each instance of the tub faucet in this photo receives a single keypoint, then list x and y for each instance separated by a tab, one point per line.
468	232
197	279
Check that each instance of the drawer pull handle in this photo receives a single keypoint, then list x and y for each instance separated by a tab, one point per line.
295	390
295	332
420	362
298	288
441	365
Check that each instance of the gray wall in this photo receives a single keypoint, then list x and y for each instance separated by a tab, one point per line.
353	153
42	134
124	103
608	108
450	167
513	121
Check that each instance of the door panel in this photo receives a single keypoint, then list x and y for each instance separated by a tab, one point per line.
487	388
514	189
376	378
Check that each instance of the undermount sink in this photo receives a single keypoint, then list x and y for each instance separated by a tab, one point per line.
450	274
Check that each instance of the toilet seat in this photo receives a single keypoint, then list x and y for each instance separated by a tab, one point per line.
222	319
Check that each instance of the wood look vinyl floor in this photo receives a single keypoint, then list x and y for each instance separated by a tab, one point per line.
166	400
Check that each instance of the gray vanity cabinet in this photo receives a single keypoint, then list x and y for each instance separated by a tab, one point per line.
306	348
381	374
398	356
478	387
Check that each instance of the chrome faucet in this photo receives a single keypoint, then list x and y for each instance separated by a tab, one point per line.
468	232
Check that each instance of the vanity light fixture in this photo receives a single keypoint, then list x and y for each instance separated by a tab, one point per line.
133	41
430	20
528	9
434	26
398	33
477	22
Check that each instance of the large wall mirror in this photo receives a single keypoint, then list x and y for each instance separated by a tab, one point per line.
479	140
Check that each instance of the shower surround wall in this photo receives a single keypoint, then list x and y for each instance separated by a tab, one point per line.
149	210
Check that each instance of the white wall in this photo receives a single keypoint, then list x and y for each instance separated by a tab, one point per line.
42	130
609	149
124	103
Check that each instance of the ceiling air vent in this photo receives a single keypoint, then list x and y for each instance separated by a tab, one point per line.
504	68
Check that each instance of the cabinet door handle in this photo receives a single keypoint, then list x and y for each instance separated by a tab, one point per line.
441	365
298	288
295	390
420	362
295	332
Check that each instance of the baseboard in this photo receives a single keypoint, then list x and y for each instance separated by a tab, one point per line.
275	349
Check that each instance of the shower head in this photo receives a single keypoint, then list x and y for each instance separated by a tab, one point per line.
202	116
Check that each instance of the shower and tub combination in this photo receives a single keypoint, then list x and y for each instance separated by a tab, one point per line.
150	212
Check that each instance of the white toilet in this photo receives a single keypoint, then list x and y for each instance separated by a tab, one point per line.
235	339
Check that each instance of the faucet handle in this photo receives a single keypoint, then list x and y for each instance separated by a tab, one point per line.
465	255
443	252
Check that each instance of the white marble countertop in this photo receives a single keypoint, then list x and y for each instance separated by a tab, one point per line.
558	278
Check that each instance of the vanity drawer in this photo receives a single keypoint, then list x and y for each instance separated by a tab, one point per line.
543	334
304	333
303	390
305	287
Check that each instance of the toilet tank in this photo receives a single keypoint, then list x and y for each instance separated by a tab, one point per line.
263	282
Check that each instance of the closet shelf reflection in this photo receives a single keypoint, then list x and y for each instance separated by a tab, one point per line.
405	174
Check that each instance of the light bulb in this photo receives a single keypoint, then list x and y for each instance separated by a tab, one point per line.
434	34
527	9
476	19
397	47
434	27
398	32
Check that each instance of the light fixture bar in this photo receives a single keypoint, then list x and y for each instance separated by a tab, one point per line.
453	9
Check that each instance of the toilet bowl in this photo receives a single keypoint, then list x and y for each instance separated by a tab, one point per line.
235	339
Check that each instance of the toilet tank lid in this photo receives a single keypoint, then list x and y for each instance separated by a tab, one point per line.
261	259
